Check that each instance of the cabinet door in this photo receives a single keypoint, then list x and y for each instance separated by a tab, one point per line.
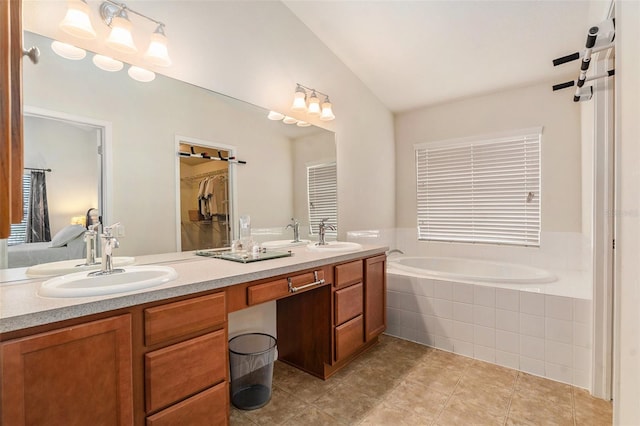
78	375
375	291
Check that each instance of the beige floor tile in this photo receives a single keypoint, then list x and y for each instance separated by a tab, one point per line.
376	383
590	410
533	408
238	418
390	414
304	386
460	411
443	380
494	397
312	416
346	403
280	408
416	398
449	361
491	373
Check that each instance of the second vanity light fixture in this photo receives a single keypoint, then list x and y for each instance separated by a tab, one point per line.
306	99
77	22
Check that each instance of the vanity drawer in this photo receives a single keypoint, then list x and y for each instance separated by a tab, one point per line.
277	289
348	273
178	371
348	303
173	320
349	337
209	407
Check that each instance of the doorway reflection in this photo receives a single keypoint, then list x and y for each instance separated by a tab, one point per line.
204	199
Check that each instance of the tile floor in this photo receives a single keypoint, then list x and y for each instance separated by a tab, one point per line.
402	383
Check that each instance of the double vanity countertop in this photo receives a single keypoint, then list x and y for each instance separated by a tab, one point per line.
21	306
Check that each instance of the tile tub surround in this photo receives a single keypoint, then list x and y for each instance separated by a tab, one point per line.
400	382
541	334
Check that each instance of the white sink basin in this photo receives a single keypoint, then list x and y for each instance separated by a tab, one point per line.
81	284
73	265
334	246
280	244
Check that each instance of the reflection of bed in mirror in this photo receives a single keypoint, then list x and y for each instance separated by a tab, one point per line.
65	245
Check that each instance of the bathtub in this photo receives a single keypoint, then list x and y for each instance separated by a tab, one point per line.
469	270
516	316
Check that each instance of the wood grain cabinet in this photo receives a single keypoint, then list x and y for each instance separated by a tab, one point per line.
79	375
375	293
186	381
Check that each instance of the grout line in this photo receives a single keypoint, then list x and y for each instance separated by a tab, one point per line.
513	392
573	405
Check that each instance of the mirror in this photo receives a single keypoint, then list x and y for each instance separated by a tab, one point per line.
144	123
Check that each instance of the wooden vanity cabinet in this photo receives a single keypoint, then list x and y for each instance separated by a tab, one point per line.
78	375
186	373
375	296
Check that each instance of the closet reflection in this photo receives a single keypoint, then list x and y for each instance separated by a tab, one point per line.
204	200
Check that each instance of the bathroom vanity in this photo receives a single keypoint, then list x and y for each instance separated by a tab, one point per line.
160	357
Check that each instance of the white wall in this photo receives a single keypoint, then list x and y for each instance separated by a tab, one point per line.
256	51
514	109
70	152
627	288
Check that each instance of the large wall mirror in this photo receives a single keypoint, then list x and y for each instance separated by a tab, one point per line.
139	182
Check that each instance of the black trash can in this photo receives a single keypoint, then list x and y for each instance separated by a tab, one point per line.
251	359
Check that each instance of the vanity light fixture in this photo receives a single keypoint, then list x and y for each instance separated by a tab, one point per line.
303	124
77	22
289	120
106	63
306	99
68	51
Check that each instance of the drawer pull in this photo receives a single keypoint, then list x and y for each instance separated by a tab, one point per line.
316	281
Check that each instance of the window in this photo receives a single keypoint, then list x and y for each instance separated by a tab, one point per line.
480	190
322	187
18	233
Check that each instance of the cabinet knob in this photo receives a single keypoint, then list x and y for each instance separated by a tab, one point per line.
33	54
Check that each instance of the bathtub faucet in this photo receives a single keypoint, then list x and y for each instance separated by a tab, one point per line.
389	252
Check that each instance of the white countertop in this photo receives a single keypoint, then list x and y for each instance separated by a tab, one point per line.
21	306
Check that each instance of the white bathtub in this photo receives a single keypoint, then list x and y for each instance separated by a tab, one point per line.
469	270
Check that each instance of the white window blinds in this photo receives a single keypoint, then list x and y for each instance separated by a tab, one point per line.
322	185
18	233
485	190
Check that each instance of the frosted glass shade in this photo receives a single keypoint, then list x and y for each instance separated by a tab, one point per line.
327	112
289	120
77	22
299	101
68	51
120	38
107	64
303	124
157	53
140	74
314	105
275	116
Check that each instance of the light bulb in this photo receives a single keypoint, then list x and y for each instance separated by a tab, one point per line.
120	38
77	22
314	104
157	53
327	112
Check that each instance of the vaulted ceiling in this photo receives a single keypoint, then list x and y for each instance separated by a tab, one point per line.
418	53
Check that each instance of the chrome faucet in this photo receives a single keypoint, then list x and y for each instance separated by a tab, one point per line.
109	242
322	227
296	230
90	237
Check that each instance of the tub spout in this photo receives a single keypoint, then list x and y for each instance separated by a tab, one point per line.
389	252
